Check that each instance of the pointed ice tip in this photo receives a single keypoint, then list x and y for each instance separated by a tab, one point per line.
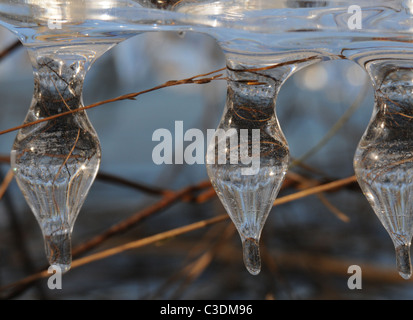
252	258
59	251
405	276
403	261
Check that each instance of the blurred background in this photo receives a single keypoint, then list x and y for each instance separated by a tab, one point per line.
307	245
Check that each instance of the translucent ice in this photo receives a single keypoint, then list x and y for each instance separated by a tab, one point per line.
56	161
248	158
384	158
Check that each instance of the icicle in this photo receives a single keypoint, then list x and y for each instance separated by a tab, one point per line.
384	158
55	162
248	156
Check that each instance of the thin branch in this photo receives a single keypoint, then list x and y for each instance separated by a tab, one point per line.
332	186
6	182
148	240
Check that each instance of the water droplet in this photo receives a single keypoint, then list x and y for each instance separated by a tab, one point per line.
403	261
252	259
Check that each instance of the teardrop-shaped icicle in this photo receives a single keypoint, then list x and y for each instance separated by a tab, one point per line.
55	162
248	156
383	161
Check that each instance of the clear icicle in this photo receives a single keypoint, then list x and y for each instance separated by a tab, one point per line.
55	162
384	158
248	158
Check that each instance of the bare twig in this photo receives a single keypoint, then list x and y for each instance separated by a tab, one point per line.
332	186
6	182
